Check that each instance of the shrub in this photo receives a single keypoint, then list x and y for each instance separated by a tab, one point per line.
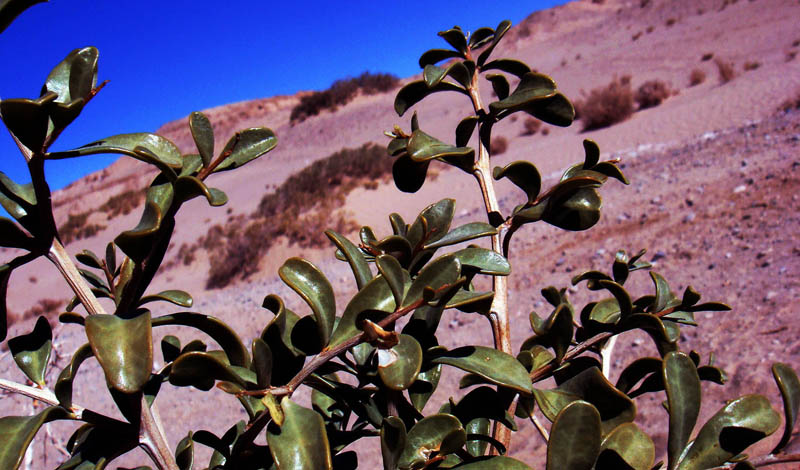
652	93
696	77
707	56
607	105
531	126
340	93
751	65
499	145
371	371
725	70
123	203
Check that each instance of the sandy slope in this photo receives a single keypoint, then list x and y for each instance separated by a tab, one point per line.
714	174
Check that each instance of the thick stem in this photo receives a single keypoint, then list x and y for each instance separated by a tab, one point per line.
59	256
498	313
764	461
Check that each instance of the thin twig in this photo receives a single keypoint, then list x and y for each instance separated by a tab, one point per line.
764	461
540	427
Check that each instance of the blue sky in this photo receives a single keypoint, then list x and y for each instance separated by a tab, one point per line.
165	59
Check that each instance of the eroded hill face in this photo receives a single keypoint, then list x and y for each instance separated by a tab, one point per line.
714	172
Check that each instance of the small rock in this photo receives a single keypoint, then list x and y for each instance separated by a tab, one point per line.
770	295
601	251
689	217
561	261
658	255
739	189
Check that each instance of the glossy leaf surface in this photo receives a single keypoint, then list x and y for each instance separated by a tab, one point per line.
315	289
124	348
10	9
301	442
354	257
631	445
789	386
496	366
442	433
574	438
177	297
393	441
203	135
228	340
31	352
399	366
415	92
247	145
375	296
17	432
683	398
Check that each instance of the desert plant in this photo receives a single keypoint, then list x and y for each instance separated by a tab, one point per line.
725	70
499	145
696	77
607	105
372	369
531	126
751	65
342	92
651	93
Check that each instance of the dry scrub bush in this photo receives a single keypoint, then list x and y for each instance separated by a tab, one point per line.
652	93
342	92
295	210
696	77
499	145
752	65
531	126
725	70
607	105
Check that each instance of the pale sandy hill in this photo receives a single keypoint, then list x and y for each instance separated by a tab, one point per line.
714	173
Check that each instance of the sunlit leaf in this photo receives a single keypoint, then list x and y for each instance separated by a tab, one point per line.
499	32
683	399
124	349
496	366
574	438
31	352
228	340
177	297
17	432
399	366
358	264
789	386
627	443
416	91
441	433
315	289
524	175
247	145
203	135
301	442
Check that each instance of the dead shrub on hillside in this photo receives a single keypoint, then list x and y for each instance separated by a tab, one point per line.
499	145
342	92
696	77
531	126
752	65
607	105
725	70
77	228
122	204
301	209
652	93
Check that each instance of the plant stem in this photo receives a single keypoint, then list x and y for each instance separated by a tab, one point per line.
764	461
59	256
498	312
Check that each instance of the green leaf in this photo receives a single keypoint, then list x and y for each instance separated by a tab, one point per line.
393	441
11	9
442	272
12	236
63	386
247	145
484	403
190	187
555	332
663	294
17	432
422	147
524	175
551	402
177	297
463	233
471	301
31	352
532	87
496	366
433	75
630	445
683	399
483	261
375	296
354	257
416	91
574	210
301	442
465	129
315	289
27	120
124	349
435	56
262	362
395	275
495	462
202	369
203	135
432	223
228	340
74	77
499	32
480	37
574	438
789	386
592	386
441	433
514	67
455	37
90	259
556	110
184	453
422	389
499	85
158	150
19	200
409	176
399	366
730	431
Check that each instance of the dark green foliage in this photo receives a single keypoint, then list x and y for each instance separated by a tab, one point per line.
374	366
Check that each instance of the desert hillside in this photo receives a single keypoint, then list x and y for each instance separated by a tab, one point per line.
714	171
